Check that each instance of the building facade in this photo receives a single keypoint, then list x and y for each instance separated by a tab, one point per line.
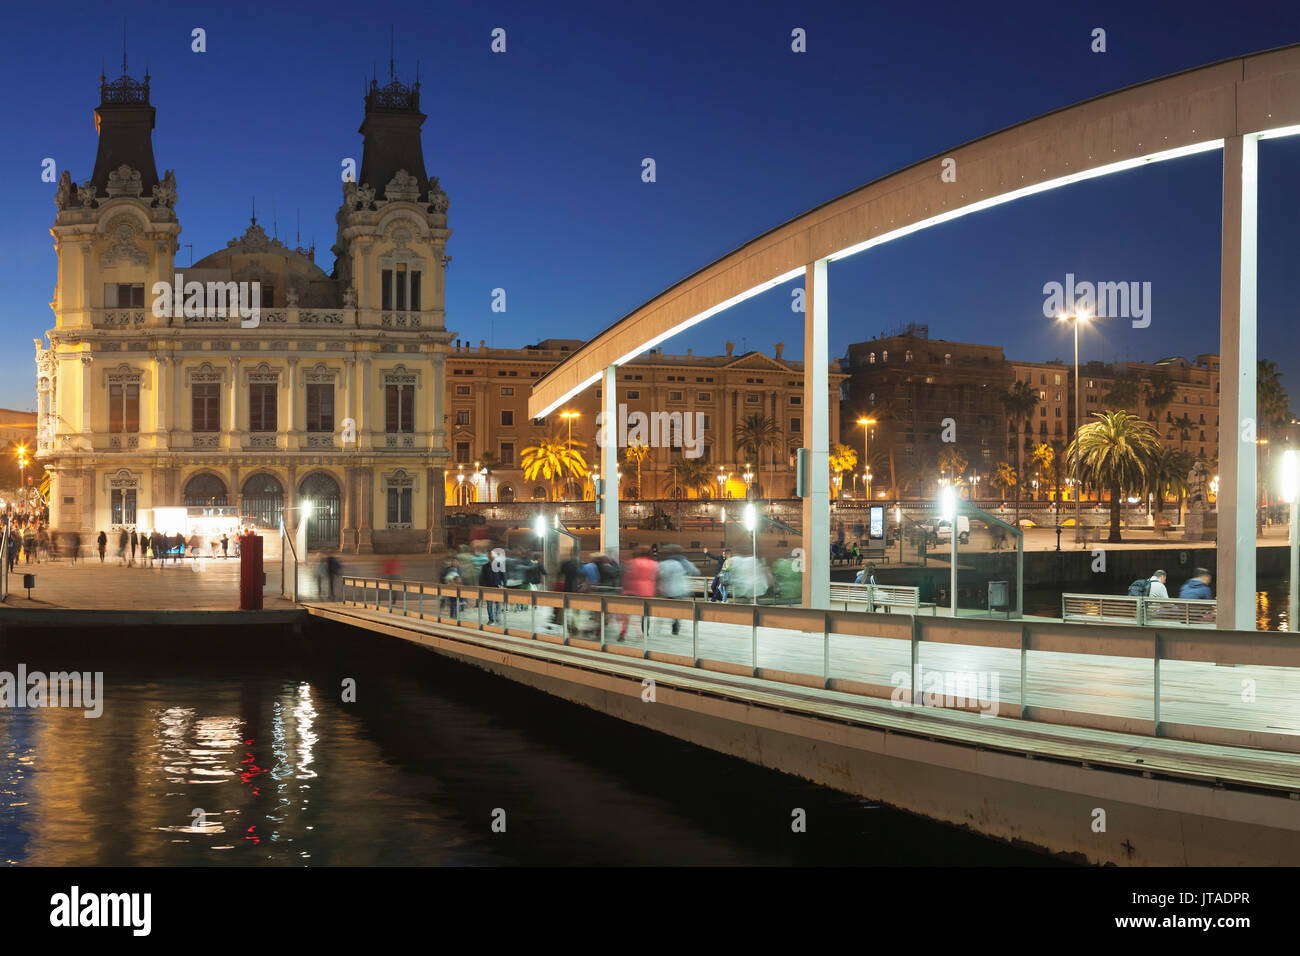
487	404
330	393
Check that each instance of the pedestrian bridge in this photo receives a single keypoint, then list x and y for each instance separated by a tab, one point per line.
1187	740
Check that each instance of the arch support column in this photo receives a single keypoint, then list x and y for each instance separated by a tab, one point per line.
1238	349
816	398
609	465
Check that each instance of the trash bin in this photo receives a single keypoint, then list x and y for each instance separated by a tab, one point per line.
998	599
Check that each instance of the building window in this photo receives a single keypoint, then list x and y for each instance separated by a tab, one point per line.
124	407
1056	380
751	398
947	358
704	396
907	356
507	418
539	422
399	506
462	389
794	424
123	295
796	399
633	394
262	407
399	408
872	359
507	453
884	356
462	451
674	396
123	506
400	289
507	390
205	398
462	416
320	408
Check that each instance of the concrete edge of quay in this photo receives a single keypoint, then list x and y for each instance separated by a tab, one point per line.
43	618
1020	796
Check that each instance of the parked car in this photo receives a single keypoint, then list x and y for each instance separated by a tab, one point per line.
943	530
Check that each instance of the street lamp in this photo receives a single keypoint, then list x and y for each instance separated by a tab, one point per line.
22	477
948	507
749	481
722	484
1075	319
866	424
1291	495
751	525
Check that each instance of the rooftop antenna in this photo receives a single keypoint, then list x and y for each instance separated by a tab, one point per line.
297	228
392	36
255	210
124	46
275	222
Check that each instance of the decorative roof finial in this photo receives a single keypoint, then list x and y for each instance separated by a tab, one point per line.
254	210
124	46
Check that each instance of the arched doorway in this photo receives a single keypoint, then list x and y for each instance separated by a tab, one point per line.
204	490
323	525
505	494
262	501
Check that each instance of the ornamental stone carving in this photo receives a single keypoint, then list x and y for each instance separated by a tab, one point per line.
164	193
403	187
63	196
124	181
86	193
365	196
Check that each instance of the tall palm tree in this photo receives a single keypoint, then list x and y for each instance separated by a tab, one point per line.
634	454
1041	457
843	458
554	458
757	432
1004	477
1159	391
1124	395
689	474
1170	476
1116	452
1020	401
1183	425
952	463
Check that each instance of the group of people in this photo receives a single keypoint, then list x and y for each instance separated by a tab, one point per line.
154	546
1195	588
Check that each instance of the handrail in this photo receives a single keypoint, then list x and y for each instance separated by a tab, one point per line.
849	644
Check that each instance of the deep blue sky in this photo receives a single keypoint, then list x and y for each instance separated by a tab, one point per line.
540	151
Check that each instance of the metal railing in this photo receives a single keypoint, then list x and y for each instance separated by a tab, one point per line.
1138	611
894	656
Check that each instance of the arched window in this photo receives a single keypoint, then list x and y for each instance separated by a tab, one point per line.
907	356
505	493
539	493
204	489
262	500
884	356
947	358
872	359
323	526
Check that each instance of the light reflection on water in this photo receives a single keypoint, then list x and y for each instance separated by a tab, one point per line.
218	767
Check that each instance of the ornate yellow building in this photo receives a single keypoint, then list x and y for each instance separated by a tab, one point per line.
332	393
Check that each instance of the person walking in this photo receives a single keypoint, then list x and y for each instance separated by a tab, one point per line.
673	578
102	542
640	577
493	575
74	546
1197	587
225	546
29	544
11	552
135	544
122	539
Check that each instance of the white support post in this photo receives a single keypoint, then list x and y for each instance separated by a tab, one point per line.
1237	381
816	399
609	466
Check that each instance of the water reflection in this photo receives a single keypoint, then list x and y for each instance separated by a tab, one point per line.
203	764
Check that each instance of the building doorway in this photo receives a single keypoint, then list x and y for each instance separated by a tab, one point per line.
262	501
326	510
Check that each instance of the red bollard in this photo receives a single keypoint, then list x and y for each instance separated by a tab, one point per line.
250	572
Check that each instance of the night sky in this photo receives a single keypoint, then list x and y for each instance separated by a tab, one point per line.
540	151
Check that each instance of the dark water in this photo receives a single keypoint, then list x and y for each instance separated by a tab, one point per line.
250	729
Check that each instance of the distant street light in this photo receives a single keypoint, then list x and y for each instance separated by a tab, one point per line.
1291	495
866	424
1076	318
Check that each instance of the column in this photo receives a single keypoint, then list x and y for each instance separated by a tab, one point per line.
362	403
232	422
291	403
816	390
349	507
1237	347
87	387
609	465
366	504
349	364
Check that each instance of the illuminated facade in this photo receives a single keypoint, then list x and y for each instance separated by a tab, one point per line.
333	393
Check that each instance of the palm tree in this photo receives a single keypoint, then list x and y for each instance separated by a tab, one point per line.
1116	452
554	458
1169	476
1004	477
689	474
634	454
952	462
1183	424
1123	395
757	432
1159	391
1020	401
489	464
842	459
1043	454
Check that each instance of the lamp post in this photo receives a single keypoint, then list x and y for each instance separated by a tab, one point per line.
1075	319
751	525
948	504
722	483
1291	494
866	424
749	481
22	477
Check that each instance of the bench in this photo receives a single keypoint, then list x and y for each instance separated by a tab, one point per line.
1145	611
906	599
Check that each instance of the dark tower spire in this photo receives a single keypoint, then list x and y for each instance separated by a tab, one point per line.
391	135
124	121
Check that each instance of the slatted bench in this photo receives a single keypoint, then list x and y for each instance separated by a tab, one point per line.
898	598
